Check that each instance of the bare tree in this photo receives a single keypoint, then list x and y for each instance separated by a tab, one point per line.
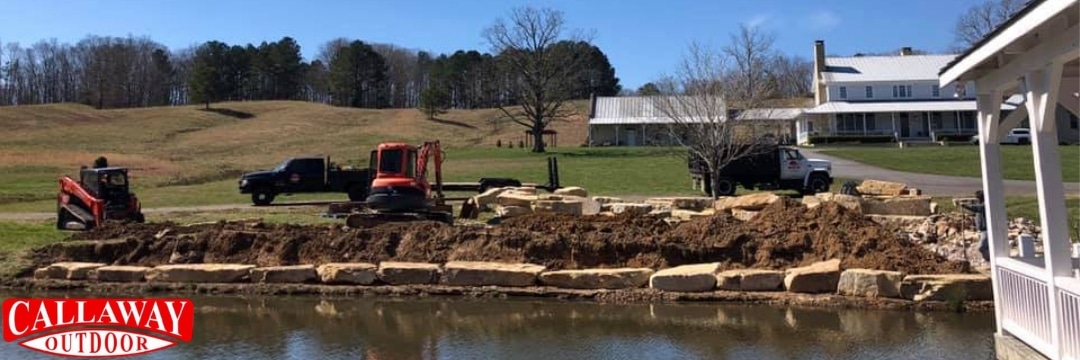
705	110
751	49
981	19
540	77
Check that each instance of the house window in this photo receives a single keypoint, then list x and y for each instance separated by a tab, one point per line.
843	92
936	90
1074	122
901	91
869	92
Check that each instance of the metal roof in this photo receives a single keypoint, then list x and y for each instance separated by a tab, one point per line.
885	68
625	110
835	107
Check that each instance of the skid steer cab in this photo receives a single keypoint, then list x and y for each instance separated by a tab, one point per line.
99	195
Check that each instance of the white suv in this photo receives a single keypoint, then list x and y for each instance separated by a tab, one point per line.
1018	136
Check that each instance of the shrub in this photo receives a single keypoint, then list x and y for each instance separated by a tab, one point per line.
953	138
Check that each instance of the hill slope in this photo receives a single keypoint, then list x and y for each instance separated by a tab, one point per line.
186	145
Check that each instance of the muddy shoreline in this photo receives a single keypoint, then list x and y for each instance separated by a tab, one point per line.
624	296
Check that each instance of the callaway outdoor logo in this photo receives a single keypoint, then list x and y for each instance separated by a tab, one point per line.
86	325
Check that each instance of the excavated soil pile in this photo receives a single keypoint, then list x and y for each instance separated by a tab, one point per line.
785	234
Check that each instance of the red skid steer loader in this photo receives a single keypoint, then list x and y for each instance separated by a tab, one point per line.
101	194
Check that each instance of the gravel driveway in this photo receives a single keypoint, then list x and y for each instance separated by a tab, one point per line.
937	185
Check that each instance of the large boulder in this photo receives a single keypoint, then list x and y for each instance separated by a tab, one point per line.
479	273
407	273
119	273
516	198
489	197
685	203
687	215
909	206
348	273
72	270
974	287
293	274
750	280
558	206
512	211
848	201
621	278
686	278
572	191
870	283
620	208
604	200
881	188
752	202
819	277
199	273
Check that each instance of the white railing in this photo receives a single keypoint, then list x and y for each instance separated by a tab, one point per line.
1025	306
1025	302
1069	312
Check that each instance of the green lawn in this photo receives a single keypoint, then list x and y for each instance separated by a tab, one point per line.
602	171
961	160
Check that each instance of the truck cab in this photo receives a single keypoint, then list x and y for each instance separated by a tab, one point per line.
771	168
299	175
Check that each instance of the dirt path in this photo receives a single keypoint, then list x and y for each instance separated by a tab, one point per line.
937	185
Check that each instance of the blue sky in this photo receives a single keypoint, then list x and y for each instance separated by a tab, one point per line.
643	39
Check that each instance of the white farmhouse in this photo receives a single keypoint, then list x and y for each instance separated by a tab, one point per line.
895	98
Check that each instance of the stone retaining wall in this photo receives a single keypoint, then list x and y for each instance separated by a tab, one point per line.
825	277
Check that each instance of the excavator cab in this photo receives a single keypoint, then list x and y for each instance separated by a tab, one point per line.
401	190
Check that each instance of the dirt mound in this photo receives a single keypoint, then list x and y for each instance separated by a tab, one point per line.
785	234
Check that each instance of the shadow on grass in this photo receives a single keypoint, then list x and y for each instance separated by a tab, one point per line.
230	113
452	123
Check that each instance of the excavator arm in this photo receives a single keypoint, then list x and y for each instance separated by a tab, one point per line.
427	151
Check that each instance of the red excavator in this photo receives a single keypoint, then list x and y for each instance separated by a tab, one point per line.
101	194
400	190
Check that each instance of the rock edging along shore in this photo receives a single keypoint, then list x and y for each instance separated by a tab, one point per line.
824	277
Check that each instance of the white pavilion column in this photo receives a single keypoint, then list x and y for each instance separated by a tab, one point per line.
997	224
1042	93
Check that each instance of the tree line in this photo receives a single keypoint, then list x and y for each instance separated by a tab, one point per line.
126	72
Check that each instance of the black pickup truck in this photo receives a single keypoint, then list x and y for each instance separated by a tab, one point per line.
305	175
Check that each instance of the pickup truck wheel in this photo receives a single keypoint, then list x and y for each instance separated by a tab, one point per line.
817	184
262	197
725	187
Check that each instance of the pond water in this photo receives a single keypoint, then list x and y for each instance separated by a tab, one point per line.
309	327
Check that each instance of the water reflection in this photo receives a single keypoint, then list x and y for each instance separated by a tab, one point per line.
379	328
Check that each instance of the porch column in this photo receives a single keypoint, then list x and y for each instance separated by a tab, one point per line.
1042	87
895	130
989	112
616	135
864	124
589	138
644	135
1042	94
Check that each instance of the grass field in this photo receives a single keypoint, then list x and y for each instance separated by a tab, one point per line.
1016	161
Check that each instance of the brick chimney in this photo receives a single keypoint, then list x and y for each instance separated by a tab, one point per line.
819	68
905	51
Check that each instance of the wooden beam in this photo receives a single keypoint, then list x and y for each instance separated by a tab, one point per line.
1061	45
989	111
